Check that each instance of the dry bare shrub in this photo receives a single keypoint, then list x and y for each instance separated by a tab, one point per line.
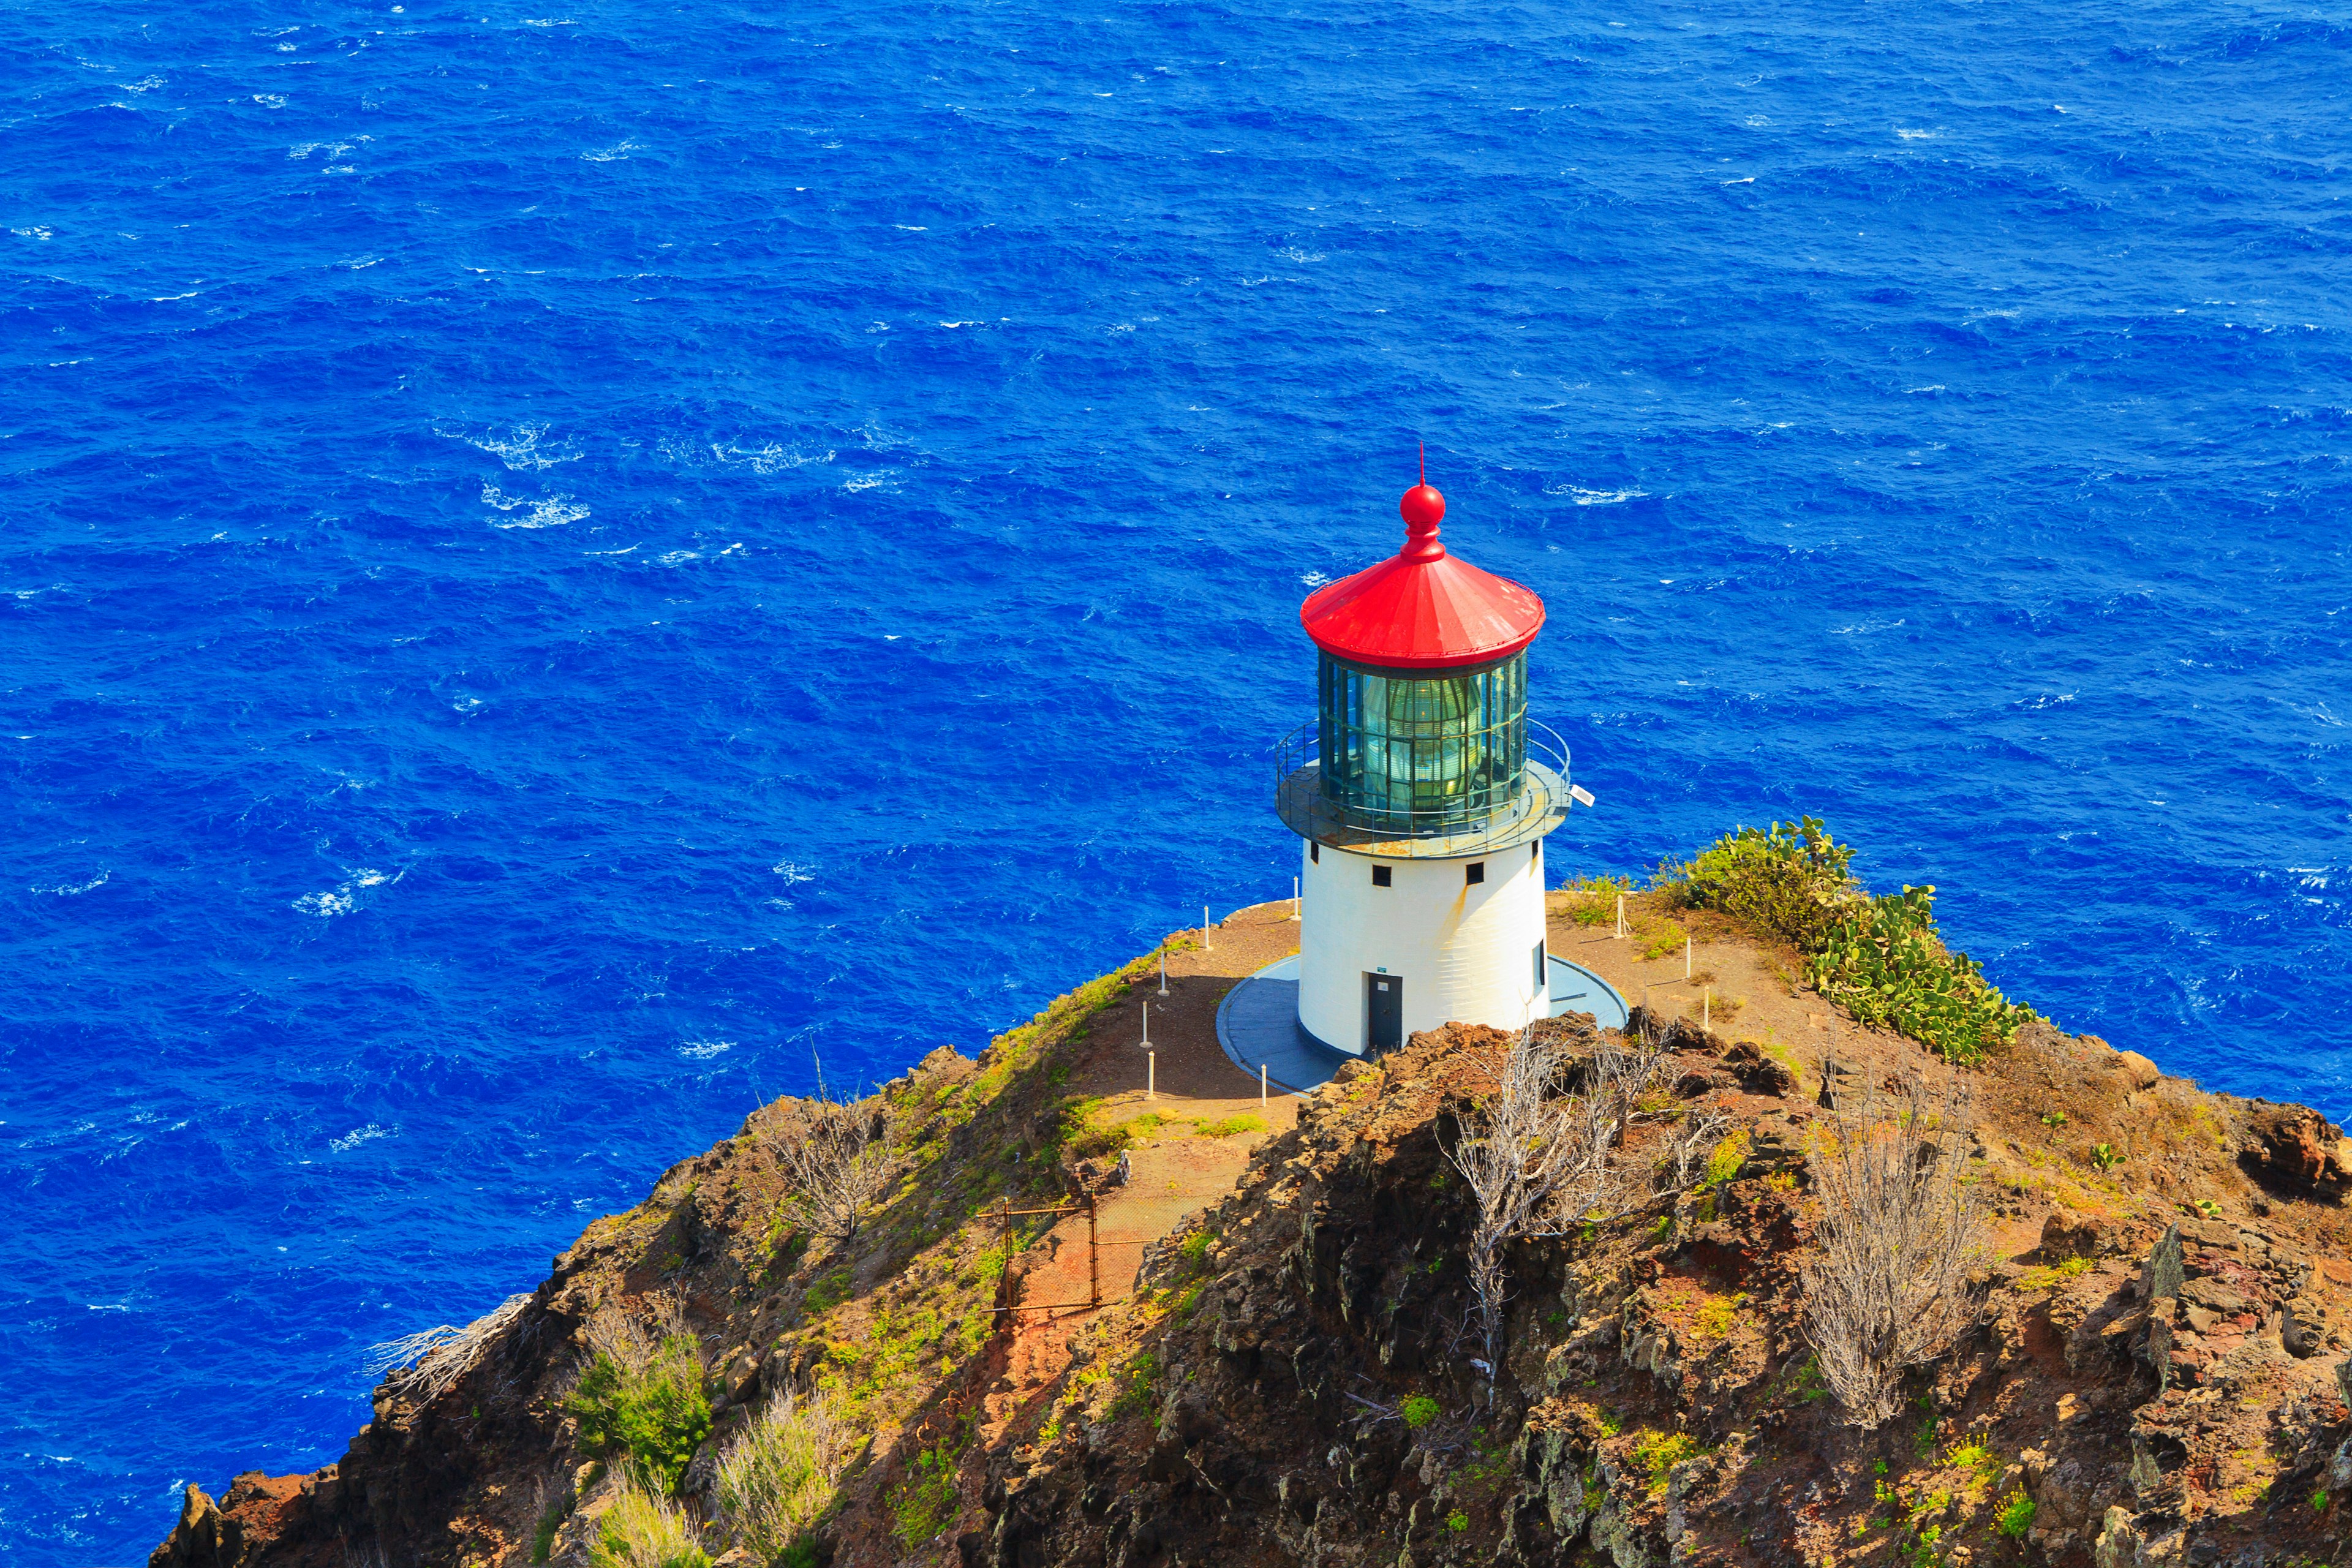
425	1364
1538	1155
839	1156
1899	1228
778	1475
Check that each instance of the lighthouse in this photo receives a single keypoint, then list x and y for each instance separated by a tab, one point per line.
1421	795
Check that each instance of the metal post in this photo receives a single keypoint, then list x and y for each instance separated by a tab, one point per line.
1621	914
1686	946
1093	1268
1204	928
1151	1075
1261	1085
1706	1008
1005	1267
1147	1025
1294	897
1163	969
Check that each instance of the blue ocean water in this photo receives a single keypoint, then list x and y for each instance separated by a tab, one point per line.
562	558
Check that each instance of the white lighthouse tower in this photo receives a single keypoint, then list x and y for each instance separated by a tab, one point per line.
1419	801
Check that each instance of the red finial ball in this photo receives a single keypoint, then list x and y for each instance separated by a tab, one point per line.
1422	506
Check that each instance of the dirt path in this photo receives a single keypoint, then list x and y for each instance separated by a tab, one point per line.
1175	1168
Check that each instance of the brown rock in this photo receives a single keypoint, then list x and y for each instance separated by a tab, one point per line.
2142	1072
2293	1150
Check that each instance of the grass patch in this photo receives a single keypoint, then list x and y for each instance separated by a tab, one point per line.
924	1502
1231	1126
1418	1410
1723	1161
1659	1453
1720	1316
2016	1515
645	1530
777	1476
2051	1276
1592	901
1135	1381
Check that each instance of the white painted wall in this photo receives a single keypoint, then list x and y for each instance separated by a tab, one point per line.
1466	952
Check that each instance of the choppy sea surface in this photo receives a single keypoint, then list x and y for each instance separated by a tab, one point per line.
561	559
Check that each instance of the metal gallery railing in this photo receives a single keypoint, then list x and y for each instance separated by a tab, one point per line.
1307	808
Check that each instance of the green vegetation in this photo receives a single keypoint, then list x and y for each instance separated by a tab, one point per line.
643	1530
1458	1520
1976	1457
1418	1410
826	1292
2016	1515
1230	1126
1075	1137
2051	1276
1877	957
1885	964
776	1477
650	1409
1717	1318
1661	937
2106	1156
923	1503
1194	1250
1135	1385
1592	901
1659	1453
1788	882
1724	1161
551	1520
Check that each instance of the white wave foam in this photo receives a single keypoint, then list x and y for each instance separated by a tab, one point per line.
332	149
1314	579
771	459
703	1050
1292	253
1863	628
359	1135
270	99
678	557
792	873
617	153
551	511
344	898
39	231
1593	498
880	479
520	450
75	890
1918	135
549	22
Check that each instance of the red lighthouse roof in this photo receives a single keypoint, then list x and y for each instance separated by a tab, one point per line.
1422	608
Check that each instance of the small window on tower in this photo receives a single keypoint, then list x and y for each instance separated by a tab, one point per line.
1380	876
1475	873
1315	852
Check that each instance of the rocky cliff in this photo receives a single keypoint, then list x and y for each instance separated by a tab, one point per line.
2151	1370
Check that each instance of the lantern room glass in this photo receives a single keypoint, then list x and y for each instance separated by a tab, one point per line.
1413	753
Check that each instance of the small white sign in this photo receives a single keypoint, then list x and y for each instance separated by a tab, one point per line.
1579	794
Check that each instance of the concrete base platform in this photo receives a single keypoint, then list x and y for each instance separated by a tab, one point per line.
1257	1022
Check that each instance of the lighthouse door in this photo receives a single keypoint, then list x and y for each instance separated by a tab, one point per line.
1383	1013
